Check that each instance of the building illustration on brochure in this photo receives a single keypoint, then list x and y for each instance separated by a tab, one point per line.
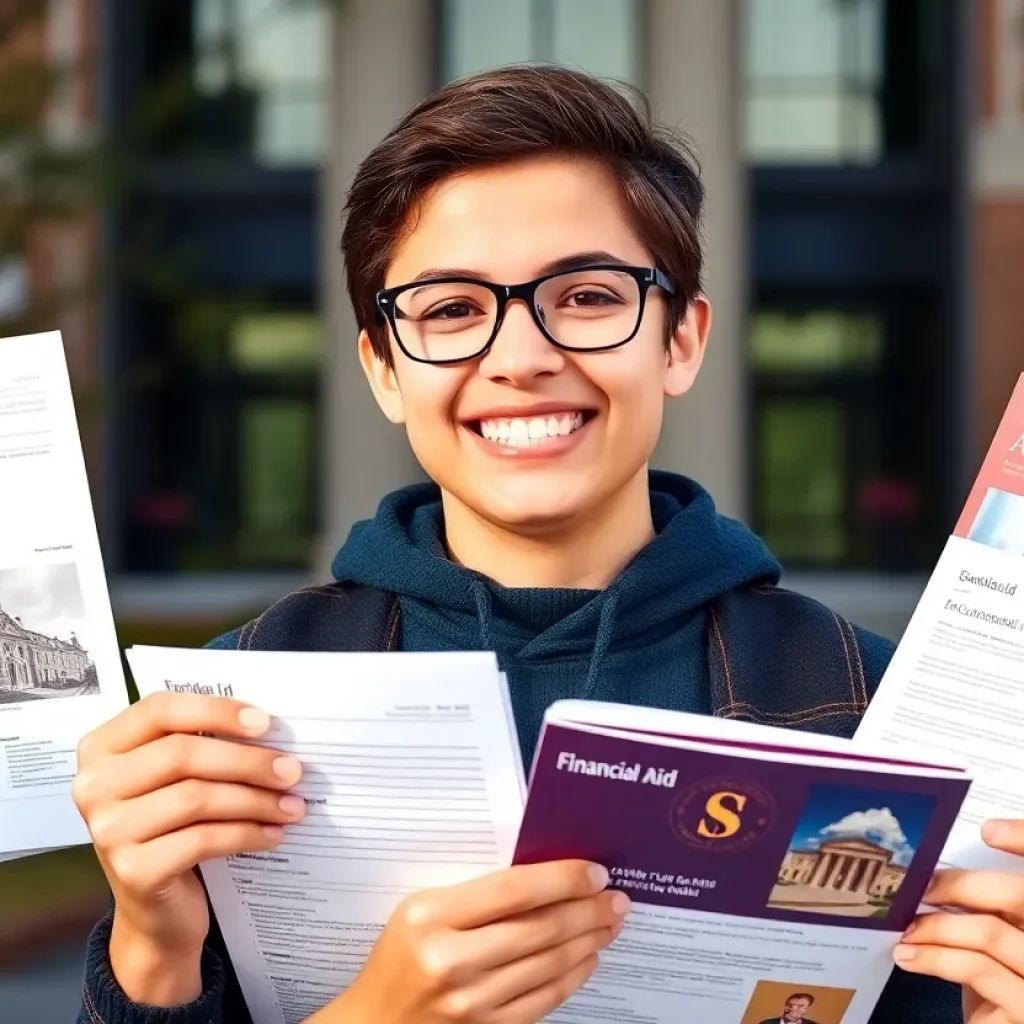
41	653
851	850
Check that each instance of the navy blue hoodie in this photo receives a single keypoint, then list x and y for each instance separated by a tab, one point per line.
639	641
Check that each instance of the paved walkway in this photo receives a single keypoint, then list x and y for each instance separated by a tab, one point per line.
48	992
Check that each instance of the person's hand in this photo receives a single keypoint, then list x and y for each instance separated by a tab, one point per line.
159	799
982	949
508	948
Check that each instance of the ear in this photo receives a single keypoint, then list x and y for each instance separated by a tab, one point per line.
383	381
686	348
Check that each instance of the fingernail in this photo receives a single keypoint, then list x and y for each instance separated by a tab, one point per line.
288	770
621	904
598	876
293	806
274	833
617	929
254	720
996	832
903	954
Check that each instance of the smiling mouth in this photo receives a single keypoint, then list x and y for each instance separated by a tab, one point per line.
528	432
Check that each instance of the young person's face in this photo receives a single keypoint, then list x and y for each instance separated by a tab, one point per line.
509	224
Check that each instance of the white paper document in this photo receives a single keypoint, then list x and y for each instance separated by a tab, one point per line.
954	690
412	780
60	667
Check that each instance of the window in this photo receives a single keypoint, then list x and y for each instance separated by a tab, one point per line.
838	81
846	469
226	446
598	36
255	74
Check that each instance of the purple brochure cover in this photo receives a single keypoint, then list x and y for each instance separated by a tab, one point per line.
839	846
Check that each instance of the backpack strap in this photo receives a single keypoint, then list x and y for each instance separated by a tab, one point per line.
332	617
781	658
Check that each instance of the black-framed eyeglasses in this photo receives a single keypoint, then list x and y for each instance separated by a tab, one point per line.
588	309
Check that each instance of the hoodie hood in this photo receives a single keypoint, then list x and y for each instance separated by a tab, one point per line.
695	556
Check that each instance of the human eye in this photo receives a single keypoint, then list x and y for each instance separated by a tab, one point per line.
590	298
452	310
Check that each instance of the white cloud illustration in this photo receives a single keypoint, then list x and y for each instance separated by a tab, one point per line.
879	825
880	821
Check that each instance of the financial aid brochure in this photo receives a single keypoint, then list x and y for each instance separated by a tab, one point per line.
761	865
955	688
60	667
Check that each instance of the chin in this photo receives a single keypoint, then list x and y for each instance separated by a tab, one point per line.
534	514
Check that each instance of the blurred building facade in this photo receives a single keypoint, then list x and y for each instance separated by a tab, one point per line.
865	169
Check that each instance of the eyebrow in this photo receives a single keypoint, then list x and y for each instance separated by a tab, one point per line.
573	261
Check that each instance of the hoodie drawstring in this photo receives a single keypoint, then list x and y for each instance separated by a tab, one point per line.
602	640
605	632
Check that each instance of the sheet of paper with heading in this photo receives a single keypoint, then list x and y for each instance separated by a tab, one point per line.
955	688
412	779
60	667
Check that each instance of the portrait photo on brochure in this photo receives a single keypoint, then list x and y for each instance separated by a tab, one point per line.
850	851
999	523
43	654
784	1002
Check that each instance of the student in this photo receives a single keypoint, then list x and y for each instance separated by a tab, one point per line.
523	256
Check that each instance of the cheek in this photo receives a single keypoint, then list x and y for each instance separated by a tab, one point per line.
634	387
428	400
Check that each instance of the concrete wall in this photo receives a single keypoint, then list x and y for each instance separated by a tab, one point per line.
693	81
364	456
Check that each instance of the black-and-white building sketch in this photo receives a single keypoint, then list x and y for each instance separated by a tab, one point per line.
45	661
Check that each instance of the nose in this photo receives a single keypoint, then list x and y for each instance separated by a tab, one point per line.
520	352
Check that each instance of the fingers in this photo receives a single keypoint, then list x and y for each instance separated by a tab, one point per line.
536	1005
989	892
164	713
145	868
174	758
979	933
187	803
509	892
161	714
1007	836
505	942
988	978
534	972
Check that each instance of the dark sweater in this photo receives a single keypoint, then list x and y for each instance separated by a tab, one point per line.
640	641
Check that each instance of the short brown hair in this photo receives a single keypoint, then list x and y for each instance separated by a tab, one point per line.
512	113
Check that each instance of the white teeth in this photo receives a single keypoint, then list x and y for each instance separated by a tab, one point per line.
523	433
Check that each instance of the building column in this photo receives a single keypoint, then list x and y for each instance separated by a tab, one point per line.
382	63
870	874
694	77
821	871
833	879
853	876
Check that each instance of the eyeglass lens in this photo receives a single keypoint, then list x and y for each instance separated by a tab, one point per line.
584	309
